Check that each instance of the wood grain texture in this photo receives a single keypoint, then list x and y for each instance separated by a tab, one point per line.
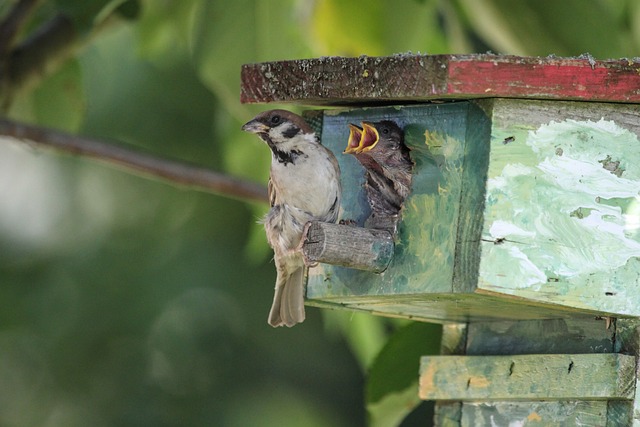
472	198
343	81
536	414
409	78
528	377
453	342
353	247
539	337
628	342
588	335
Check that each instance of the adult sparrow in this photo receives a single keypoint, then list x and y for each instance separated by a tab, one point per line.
304	185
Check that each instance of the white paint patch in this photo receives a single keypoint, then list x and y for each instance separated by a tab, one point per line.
632	217
501	229
569	215
515	423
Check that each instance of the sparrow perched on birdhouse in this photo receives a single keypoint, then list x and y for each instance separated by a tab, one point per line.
304	185
380	148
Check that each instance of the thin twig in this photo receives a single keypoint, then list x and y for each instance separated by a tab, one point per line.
10	28
13	21
134	161
43	51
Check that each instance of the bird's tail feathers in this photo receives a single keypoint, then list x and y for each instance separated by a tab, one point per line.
288	301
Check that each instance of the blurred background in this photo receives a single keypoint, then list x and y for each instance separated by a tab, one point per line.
126	301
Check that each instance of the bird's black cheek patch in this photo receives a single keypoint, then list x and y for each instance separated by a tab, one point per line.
290	132
286	157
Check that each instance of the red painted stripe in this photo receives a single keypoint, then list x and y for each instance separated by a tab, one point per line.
545	78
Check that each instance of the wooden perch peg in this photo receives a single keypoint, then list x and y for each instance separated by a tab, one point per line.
347	246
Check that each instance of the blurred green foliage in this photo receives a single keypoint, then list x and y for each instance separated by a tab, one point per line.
128	302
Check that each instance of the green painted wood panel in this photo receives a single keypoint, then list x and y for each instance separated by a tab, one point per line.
628	341
538	414
555	336
528	377
519	210
562	208
588	335
426	242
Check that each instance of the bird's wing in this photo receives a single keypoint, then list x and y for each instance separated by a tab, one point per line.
334	162
271	191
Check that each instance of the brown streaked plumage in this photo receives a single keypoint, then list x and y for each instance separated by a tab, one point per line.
384	142
304	185
380	148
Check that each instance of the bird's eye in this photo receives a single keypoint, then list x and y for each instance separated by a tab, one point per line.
385	131
275	120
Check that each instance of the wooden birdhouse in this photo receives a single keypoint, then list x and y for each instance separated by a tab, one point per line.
521	233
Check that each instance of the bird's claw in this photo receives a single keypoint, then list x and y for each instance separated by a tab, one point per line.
349	222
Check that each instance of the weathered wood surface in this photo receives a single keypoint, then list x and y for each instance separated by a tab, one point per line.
426	239
519	209
628	342
549	336
528	377
561	221
574	413
353	247
406	78
557	336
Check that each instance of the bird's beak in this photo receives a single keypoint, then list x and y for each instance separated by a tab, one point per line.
255	126
369	138
355	134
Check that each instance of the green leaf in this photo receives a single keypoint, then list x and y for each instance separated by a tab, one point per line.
129	10
392	384
58	101
349	28
226	35
365	334
376	28
256	249
394	407
163	31
544	27
86	14
634	20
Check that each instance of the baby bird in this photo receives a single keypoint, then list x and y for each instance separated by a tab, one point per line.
381	195
304	185
384	143
380	148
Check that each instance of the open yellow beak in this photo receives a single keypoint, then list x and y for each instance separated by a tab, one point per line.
355	135
369	138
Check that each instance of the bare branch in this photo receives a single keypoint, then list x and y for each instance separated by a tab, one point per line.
137	162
